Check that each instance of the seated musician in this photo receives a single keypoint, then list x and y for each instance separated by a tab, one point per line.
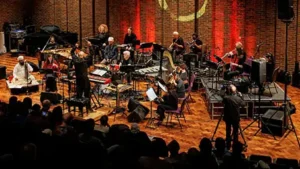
126	61
182	72
21	71
175	80
168	102
50	63
177	47
236	68
110	52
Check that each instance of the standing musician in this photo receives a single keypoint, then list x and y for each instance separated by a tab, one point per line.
130	39
196	44
126	61
178	84
232	103
103	35
21	72
177	47
110	52
82	81
236	68
168	102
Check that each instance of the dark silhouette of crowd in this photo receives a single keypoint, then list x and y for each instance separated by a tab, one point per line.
33	132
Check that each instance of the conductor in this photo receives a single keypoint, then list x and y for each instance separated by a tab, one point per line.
232	103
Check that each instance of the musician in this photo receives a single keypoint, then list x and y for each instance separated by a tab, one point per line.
236	68
50	78
103	35
21	72
130	38
110	52
126	61
175	80
50	63
52	43
232	103
177	47
82	81
196	44
168	102
182	72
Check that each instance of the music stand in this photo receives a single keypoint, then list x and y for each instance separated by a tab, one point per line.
219	61
145	45
117	109
188	58
151	96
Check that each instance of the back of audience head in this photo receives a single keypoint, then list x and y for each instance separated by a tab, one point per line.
36	110
173	148
104	120
135	128
220	144
159	148
28	152
237	149
13	100
57	115
205	145
46	105
27	101
89	126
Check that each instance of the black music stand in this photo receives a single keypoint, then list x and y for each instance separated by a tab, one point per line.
219	64
188	58
151	96
117	109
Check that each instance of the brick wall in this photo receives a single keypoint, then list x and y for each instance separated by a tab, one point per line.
223	23
13	11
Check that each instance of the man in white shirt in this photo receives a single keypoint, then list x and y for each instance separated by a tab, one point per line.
20	73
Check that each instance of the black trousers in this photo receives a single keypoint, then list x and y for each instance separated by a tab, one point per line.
235	127
83	88
161	110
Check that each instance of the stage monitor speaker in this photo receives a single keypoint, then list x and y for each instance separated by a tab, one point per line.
138	111
259	72
53	97
274	121
285	9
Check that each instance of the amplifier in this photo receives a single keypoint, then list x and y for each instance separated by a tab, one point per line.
18	34
274	120
259	72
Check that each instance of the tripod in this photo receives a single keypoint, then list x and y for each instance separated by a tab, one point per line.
259	120
286	113
241	131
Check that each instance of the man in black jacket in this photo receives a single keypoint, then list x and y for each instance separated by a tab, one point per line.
169	102
232	103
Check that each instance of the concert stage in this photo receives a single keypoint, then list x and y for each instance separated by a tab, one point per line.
198	124
268	99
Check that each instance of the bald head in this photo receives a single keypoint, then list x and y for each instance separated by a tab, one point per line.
175	34
233	89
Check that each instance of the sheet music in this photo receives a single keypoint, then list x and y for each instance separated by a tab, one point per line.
99	72
163	87
151	94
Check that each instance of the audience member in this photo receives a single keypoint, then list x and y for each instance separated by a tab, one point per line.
206	157
104	126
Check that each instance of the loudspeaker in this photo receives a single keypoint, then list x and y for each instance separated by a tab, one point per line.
274	120
2	72
259	72
138	111
138	114
285	9
53	97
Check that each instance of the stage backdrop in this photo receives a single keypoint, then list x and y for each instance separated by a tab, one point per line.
219	23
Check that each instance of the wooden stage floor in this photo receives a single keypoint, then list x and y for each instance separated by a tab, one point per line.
198	123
